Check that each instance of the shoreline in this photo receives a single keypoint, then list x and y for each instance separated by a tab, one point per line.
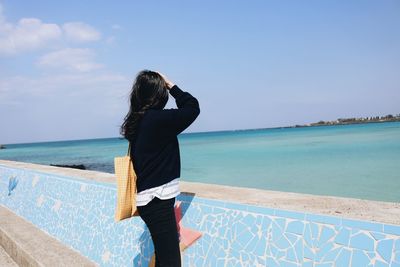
352	208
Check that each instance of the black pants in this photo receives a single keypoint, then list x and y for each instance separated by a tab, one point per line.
159	216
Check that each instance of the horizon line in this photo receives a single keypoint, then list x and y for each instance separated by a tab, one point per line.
202	132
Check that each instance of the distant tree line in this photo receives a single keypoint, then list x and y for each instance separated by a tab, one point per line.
388	117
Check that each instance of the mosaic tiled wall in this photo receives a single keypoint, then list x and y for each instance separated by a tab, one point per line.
80	214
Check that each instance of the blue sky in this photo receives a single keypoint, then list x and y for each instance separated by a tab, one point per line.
66	68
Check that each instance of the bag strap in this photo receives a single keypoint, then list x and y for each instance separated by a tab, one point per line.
129	148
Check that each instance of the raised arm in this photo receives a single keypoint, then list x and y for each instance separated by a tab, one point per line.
174	121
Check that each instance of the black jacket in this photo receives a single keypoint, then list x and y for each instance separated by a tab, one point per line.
155	151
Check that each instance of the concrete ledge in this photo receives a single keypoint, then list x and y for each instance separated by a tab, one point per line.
5	259
377	211
27	245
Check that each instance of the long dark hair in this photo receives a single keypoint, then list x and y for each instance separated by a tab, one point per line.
149	91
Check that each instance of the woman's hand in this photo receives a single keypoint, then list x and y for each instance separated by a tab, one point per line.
168	82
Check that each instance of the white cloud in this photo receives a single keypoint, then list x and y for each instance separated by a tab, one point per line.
75	59
80	32
31	33
27	34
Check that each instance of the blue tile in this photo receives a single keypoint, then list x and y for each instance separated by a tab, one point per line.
249	220
322	251
261	261
259	250
220	262
199	200
291	255
219	221
280	254
379	263
384	248
219	211
245	256
273	249
323	265
370	254
266	223
359	258
362	241
271	262
307	264
260	210
314	232
396	257
291	237
234	206
326	234
323	219
307	235
343	237
288	263
332	254
199	261
364	225
289	214
208	202
282	243
299	248
378	236
281	221
391	229
308	253
244	238
343	260
296	227
213	202
397	245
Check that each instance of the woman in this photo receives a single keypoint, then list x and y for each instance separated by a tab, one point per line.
152	132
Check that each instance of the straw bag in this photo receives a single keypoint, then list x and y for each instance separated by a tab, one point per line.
126	187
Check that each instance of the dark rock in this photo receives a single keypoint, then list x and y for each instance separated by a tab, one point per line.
74	166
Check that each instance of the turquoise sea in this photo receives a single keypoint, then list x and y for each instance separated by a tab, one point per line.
359	160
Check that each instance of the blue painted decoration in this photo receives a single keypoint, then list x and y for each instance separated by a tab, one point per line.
12	184
80	213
